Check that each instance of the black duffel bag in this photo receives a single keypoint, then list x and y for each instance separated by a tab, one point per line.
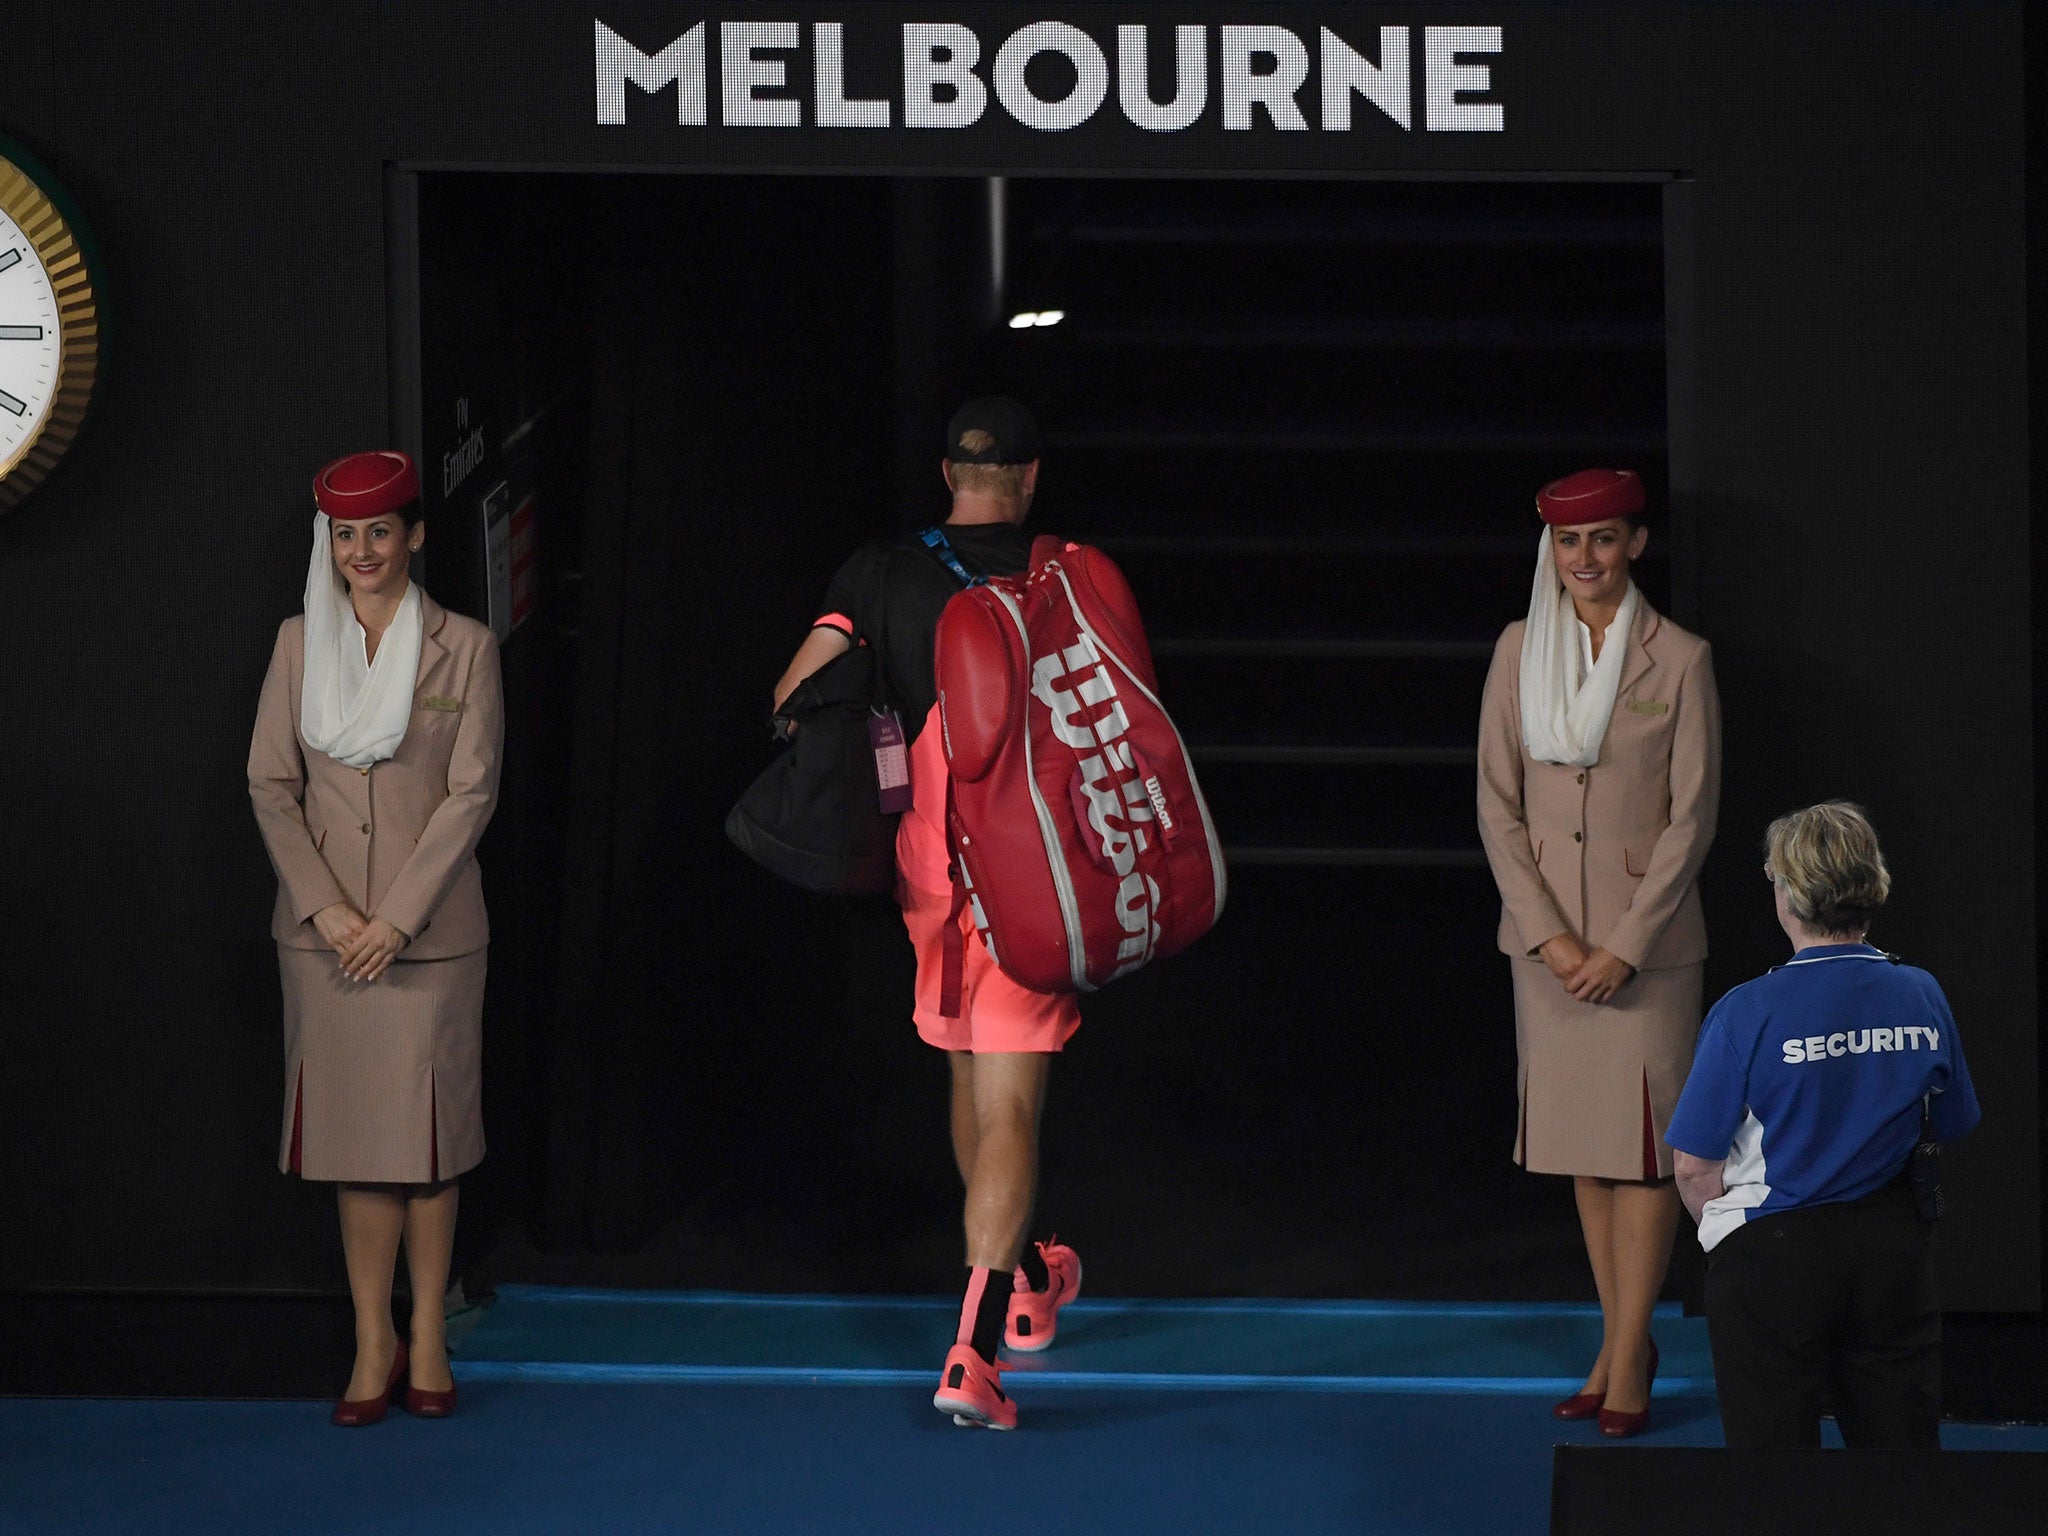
814	815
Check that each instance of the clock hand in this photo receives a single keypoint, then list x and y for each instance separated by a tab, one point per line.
9	259
9	403
21	333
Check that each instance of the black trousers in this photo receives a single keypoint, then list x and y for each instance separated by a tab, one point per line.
1829	1303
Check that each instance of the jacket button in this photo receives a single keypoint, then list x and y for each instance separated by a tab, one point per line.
1579	780
366	827
1577	837
366	773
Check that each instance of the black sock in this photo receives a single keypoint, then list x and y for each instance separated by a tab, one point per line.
985	1311
1033	1265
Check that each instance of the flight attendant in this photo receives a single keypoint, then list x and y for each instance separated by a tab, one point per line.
374	770
1599	783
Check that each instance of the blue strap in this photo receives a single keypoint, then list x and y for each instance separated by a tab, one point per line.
936	541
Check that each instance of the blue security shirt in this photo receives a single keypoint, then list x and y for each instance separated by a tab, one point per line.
1809	1082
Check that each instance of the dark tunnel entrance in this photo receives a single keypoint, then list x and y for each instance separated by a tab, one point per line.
1307	417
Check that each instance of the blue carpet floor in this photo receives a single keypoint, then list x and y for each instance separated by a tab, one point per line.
608	1413
536	1333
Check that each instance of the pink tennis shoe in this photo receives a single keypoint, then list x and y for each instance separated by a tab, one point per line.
971	1390
1034	1315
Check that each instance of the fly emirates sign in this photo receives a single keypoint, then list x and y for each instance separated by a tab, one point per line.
1427	79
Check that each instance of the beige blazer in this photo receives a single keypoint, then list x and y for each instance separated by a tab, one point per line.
1611	853
398	838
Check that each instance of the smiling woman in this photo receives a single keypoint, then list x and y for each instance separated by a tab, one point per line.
374	770
1599	781
374	556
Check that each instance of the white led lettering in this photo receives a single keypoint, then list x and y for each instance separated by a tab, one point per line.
742	74
680	64
1191	79
1346	70
828	49
1273	89
1444	77
1260	70
1091	76
941	55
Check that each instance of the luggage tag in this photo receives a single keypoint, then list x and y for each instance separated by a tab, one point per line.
892	760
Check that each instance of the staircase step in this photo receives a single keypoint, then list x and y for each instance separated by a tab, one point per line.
1244	700
1342	805
1226	490
1340	649
1355	858
1295	755
1449	223
1467	333
1362	601
1318	546
1431	436
1127	277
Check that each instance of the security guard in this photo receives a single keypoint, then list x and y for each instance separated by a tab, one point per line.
1812	1089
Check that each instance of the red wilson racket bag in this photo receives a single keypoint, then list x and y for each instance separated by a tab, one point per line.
1080	836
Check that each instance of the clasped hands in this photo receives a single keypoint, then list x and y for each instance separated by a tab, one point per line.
1589	975
367	945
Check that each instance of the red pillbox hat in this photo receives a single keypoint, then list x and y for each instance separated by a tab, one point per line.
366	485
1590	496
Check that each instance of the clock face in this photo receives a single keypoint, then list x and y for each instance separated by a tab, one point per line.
31	341
49	331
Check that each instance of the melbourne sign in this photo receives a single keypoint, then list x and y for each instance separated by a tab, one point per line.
1052	75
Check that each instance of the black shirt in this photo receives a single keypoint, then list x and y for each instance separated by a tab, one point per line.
890	593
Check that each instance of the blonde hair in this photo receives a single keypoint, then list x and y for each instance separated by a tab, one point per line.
1826	860
1004	480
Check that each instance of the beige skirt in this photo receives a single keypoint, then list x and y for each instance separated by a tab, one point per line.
383	1079
1599	1081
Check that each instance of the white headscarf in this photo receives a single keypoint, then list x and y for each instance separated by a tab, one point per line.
349	708
1565	713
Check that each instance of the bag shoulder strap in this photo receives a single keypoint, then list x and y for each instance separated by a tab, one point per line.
1048	546
935	540
952	941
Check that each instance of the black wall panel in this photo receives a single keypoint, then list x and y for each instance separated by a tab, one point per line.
1859	485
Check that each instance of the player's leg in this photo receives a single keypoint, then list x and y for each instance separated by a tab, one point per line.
1000	1052
965	1135
1009	1096
1008	1091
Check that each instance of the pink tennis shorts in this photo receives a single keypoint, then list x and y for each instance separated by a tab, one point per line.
996	1013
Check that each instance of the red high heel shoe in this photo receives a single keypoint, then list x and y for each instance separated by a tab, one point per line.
359	1412
1616	1425
1580	1405
422	1404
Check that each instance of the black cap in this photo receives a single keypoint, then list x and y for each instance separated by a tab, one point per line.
1011	426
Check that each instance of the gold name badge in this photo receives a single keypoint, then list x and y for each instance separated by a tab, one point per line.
453	706
1644	707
